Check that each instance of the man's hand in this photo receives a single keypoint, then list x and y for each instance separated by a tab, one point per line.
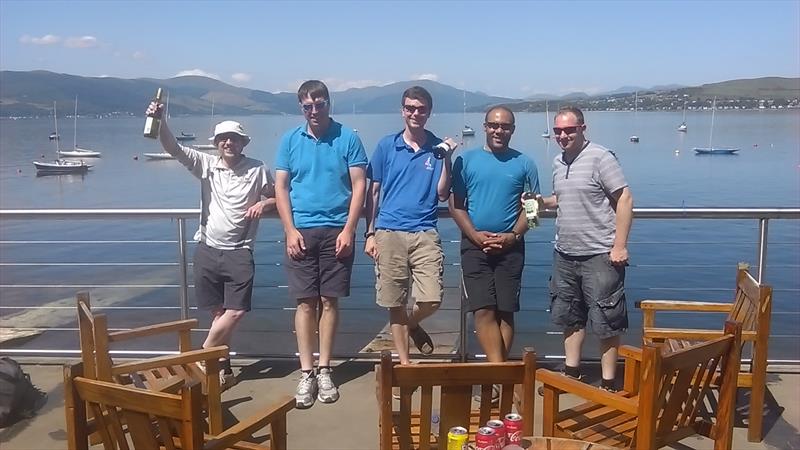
295	245
480	238
155	109
452	144
618	256
500	243
256	211
371	247
344	244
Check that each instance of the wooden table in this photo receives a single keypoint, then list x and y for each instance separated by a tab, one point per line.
554	443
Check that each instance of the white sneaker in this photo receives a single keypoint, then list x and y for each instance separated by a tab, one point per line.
306	391
327	391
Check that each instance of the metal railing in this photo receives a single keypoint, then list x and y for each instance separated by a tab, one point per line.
762	215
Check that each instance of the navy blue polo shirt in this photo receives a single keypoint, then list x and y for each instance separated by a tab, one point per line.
408	179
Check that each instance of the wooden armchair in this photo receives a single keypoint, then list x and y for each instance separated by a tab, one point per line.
752	306
447	387
164	373
663	395
129	418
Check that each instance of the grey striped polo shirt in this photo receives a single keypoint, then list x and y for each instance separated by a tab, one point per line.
226	194
586	222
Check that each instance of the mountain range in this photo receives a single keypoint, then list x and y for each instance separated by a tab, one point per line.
32	93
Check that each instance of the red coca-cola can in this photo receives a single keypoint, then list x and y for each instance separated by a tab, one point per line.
513	423
499	431
486	439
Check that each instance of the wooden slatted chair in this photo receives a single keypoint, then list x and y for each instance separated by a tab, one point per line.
447	388
130	418
662	400
752	306
162	373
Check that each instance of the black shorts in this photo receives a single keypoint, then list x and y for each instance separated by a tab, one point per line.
492	281
319	273
223	277
588	292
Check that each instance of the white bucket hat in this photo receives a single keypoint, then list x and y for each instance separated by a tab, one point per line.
229	126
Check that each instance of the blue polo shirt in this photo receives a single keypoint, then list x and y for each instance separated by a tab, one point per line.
319	173
408	180
492	184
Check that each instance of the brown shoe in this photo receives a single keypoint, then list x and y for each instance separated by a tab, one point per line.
422	340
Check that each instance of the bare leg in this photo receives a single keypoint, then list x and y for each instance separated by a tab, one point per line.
305	326
489	335
398	320
223	323
573	341
506	321
420	311
608	358
328	322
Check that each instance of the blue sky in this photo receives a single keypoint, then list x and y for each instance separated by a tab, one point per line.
515	48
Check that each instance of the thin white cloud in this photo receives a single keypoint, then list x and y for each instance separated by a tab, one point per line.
241	77
196	73
426	76
343	85
81	42
138	55
47	39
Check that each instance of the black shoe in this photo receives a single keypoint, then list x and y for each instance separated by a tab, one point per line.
422	340
580	377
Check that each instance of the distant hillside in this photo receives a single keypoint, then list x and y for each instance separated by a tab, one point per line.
25	94
760	88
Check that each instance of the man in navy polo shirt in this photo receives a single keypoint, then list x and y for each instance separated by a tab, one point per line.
319	184
412	171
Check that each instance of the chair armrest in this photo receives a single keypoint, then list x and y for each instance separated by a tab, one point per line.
689	334
564	383
171	385
630	352
683	305
193	356
247	427
152	330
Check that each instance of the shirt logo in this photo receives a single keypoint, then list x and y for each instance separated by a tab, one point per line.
428	165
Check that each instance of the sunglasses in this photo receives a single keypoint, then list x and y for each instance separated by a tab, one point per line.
496	125
308	107
410	109
569	130
232	136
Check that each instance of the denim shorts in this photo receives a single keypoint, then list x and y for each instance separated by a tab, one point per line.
588	292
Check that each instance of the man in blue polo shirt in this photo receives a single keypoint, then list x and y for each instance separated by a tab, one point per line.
487	184
412	171
319	188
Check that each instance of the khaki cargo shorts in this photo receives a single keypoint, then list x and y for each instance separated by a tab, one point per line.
406	260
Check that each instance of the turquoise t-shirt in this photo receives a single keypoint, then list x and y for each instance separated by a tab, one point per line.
492	184
319	173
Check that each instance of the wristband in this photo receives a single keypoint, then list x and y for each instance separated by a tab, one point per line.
369	234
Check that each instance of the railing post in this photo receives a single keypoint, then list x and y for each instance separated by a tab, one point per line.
183	292
763	233
462	323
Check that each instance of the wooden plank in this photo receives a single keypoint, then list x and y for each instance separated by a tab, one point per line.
684	305
153	330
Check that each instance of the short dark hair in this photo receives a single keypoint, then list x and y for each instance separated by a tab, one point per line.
417	93
313	89
499	108
573	110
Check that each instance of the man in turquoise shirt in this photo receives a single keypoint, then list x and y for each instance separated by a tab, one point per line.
487	184
319	189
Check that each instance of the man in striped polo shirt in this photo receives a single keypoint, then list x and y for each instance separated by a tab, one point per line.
595	211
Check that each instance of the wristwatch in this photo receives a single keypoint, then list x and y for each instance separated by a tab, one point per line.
517	236
369	234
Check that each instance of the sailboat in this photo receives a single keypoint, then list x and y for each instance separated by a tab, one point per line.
467	130
59	166
208	146
76	151
682	127
710	150
546	133
634	138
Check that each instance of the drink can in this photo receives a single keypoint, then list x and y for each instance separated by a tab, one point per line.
457	438
499	431
486	439
513	423
531	207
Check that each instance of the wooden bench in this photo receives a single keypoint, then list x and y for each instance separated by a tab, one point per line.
752	306
448	389
662	400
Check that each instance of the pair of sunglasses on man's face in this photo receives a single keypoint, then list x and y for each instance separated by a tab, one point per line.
319	106
569	130
411	109
496	125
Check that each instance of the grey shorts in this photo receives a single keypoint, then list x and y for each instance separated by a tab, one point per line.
588	290
319	273
492	281
408	264
223	278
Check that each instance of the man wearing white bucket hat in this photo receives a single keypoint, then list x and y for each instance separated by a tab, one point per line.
235	192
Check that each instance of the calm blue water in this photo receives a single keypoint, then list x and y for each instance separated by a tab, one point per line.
670	259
